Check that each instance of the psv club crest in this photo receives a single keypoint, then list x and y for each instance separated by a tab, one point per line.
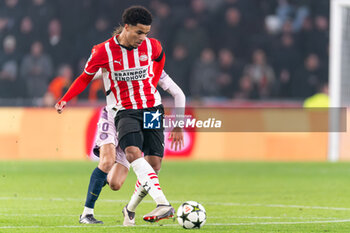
143	57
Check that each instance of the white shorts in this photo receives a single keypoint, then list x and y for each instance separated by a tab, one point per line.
106	134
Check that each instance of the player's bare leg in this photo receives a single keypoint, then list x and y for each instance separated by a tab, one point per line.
155	162
117	176
107	157
97	180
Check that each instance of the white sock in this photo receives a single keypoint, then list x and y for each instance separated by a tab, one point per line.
87	211
137	197
149	180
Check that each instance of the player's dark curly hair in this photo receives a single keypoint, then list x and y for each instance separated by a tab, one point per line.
137	14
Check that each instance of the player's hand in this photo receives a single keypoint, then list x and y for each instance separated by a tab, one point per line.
60	106
177	138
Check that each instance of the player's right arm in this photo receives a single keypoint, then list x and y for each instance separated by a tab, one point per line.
97	60
75	89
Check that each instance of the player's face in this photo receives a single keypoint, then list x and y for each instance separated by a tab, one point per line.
136	34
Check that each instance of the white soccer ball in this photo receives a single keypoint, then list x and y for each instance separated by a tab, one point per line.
191	214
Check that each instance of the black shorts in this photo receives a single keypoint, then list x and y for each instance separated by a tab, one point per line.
131	131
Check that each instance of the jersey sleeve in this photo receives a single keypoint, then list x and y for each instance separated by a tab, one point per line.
157	50
77	86
98	59
164	82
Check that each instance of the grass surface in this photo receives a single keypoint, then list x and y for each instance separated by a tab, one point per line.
238	197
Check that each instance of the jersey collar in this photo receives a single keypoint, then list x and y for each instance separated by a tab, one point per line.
117	42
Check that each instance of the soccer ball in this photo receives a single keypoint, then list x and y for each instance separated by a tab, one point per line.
191	214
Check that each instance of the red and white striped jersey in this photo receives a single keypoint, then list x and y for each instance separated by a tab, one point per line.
128	74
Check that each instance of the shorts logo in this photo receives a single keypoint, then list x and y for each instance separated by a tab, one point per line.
103	136
143	57
151	120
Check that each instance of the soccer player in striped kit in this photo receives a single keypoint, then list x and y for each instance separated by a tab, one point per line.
107	134
131	67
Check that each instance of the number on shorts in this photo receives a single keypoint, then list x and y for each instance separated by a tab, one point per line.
105	126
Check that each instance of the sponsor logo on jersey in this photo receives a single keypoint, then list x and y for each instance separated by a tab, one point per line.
131	74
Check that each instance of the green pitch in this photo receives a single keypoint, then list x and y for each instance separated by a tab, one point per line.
238	197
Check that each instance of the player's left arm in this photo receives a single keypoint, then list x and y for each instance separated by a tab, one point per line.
168	85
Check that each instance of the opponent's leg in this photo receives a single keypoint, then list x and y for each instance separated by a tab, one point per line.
97	181
117	176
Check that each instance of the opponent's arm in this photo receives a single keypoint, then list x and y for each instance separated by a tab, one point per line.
168	85
75	89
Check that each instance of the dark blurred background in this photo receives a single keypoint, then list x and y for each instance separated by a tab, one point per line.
220	50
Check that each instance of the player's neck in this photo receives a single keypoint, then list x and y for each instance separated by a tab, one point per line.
123	41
